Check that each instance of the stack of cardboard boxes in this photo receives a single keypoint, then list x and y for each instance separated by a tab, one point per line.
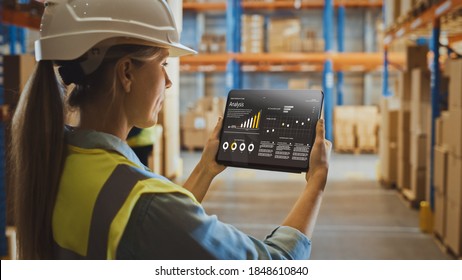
388	146
367	118
198	123
344	129
212	43
311	42
252	34
413	94
355	128
420	104
404	131
448	165
284	35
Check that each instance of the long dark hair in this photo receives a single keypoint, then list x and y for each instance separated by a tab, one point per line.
37	155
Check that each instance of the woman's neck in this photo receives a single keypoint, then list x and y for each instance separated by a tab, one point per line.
108	119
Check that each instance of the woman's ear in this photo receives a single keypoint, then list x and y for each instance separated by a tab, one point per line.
124	70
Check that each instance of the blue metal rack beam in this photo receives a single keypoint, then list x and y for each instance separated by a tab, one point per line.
435	99
233	43
341	48
12	32
328	73
23	39
385	91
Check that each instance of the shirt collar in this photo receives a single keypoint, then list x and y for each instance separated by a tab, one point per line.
91	139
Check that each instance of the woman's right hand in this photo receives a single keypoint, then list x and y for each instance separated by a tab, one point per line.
320	154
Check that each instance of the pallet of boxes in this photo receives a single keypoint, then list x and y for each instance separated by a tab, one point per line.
448	166
252	33
355	129
199	121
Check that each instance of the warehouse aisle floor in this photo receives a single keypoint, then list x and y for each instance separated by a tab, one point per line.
358	219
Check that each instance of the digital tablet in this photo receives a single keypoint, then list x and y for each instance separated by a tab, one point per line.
269	129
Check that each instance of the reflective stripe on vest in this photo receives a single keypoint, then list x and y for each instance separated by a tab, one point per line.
110	199
111	208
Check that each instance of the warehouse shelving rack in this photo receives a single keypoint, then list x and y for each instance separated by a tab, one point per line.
234	62
431	17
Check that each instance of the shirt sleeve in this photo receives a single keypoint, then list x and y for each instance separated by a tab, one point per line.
172	226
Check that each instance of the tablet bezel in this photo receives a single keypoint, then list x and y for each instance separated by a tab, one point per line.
263	166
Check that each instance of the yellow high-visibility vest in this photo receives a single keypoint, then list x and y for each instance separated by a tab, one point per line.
146	137
97	193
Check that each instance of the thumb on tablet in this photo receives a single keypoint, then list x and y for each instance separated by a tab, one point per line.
216	131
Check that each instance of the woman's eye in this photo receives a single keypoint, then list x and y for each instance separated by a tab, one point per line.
165	64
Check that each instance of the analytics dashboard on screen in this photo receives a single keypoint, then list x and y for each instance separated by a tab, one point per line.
269	129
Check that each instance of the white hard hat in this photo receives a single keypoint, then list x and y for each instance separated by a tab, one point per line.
70	28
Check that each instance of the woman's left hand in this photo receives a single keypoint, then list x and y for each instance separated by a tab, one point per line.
208	161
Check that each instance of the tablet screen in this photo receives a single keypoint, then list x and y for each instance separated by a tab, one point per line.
269	129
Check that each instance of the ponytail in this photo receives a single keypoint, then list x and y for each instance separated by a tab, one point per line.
37	156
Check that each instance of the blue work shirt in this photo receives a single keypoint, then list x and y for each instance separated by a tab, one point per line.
172	226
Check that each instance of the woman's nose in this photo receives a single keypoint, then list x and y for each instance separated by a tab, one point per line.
168	82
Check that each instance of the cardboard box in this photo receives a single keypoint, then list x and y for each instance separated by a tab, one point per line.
404	135
418	150
389	109
420	100
445	129
404	86
455	85
211	103
367	141
454	183
439	214
281	31
454	132
17	70
418	177
252	34
195	120
404	174
345	142
416	57
388	161
194	138
453	229
299	83
440	168
440	122
391	123
356	127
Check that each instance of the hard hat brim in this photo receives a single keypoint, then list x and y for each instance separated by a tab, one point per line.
68	48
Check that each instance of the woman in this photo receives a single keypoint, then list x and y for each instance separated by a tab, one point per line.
81	192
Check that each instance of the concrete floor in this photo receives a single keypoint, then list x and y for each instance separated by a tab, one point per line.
358	219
